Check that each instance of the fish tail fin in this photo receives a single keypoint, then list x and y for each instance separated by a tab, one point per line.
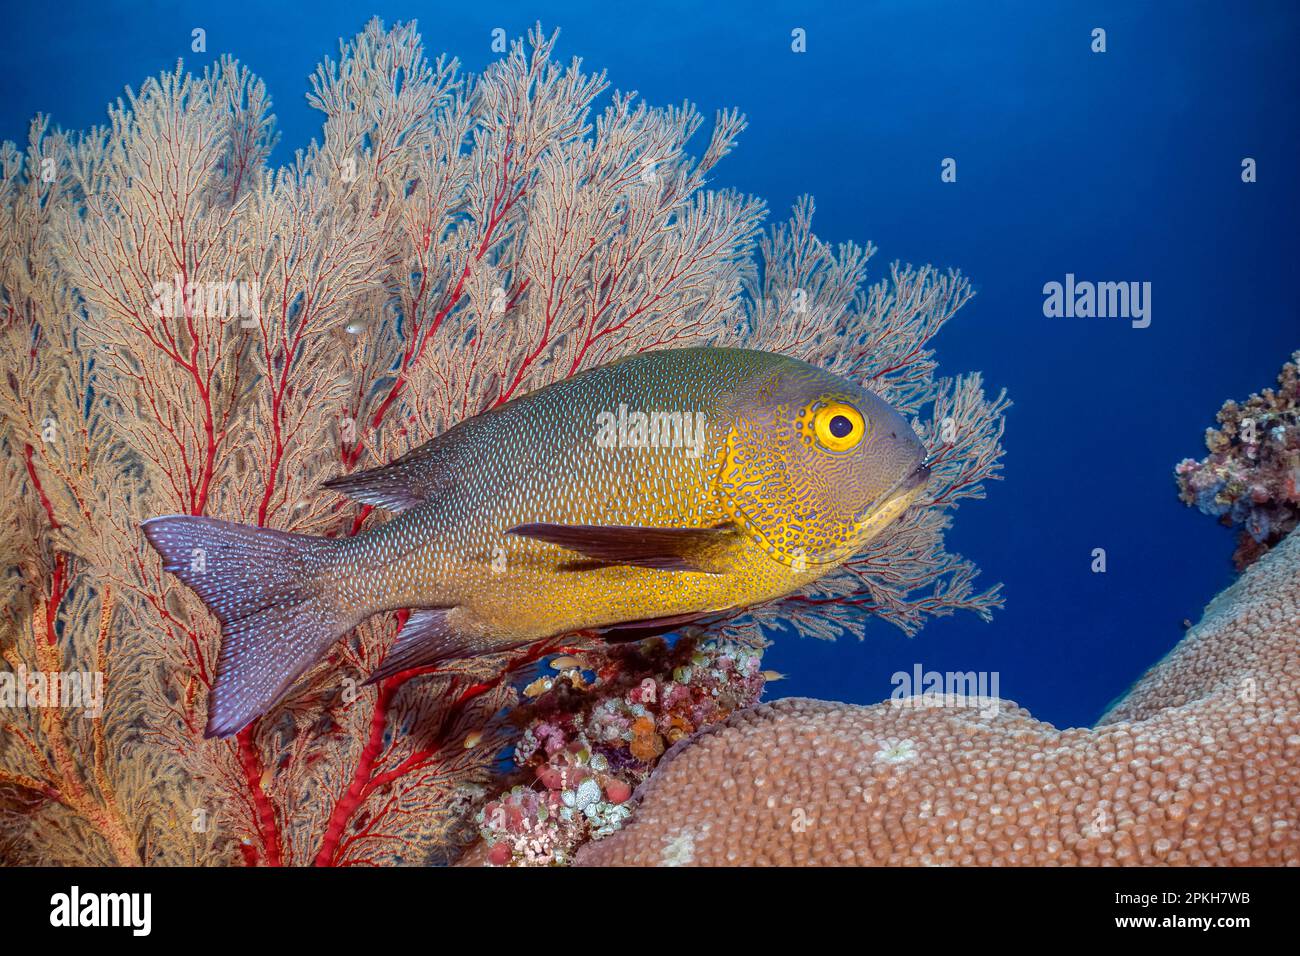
267	588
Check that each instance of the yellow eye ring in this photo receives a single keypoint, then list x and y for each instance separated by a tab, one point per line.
839	427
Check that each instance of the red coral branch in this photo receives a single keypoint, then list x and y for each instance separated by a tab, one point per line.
28	452
361	776
251	762
505	197
58	579
368	777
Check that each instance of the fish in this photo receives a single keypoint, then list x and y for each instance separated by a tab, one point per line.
770	676
664	488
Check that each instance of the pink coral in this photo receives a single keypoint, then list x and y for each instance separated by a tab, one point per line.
1198	764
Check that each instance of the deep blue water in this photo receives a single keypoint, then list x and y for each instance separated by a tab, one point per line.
1122	166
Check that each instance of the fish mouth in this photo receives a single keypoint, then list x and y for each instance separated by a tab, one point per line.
914	479
908	485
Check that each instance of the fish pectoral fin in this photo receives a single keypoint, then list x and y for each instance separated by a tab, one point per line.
431	636
662	549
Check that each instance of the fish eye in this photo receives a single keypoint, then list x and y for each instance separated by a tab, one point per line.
839	426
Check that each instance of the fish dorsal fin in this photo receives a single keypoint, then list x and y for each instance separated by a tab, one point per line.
662	549
403	483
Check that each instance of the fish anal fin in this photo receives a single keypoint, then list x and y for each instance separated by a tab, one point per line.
432	636
650	627
661	549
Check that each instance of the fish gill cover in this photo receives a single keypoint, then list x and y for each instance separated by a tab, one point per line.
189	331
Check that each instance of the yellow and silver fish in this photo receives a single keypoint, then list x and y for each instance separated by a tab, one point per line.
632	498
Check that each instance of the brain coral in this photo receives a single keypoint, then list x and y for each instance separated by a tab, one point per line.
1198	764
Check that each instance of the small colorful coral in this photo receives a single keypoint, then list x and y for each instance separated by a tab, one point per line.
1251	478
586	744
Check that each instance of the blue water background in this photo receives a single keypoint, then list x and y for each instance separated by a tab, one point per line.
1116	166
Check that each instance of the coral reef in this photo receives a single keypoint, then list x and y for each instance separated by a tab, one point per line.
185	329
1251	478
587	744
1198	764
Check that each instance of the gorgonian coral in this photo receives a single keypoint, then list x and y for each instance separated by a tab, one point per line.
186	329
1251	478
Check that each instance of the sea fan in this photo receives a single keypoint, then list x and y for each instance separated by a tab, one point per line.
186	329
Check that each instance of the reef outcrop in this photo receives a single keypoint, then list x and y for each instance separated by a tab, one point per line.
1251	477
1199	763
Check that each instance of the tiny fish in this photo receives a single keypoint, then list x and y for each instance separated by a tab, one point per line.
565	663
769	676
631	499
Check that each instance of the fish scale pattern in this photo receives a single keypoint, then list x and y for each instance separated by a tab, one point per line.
588	451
